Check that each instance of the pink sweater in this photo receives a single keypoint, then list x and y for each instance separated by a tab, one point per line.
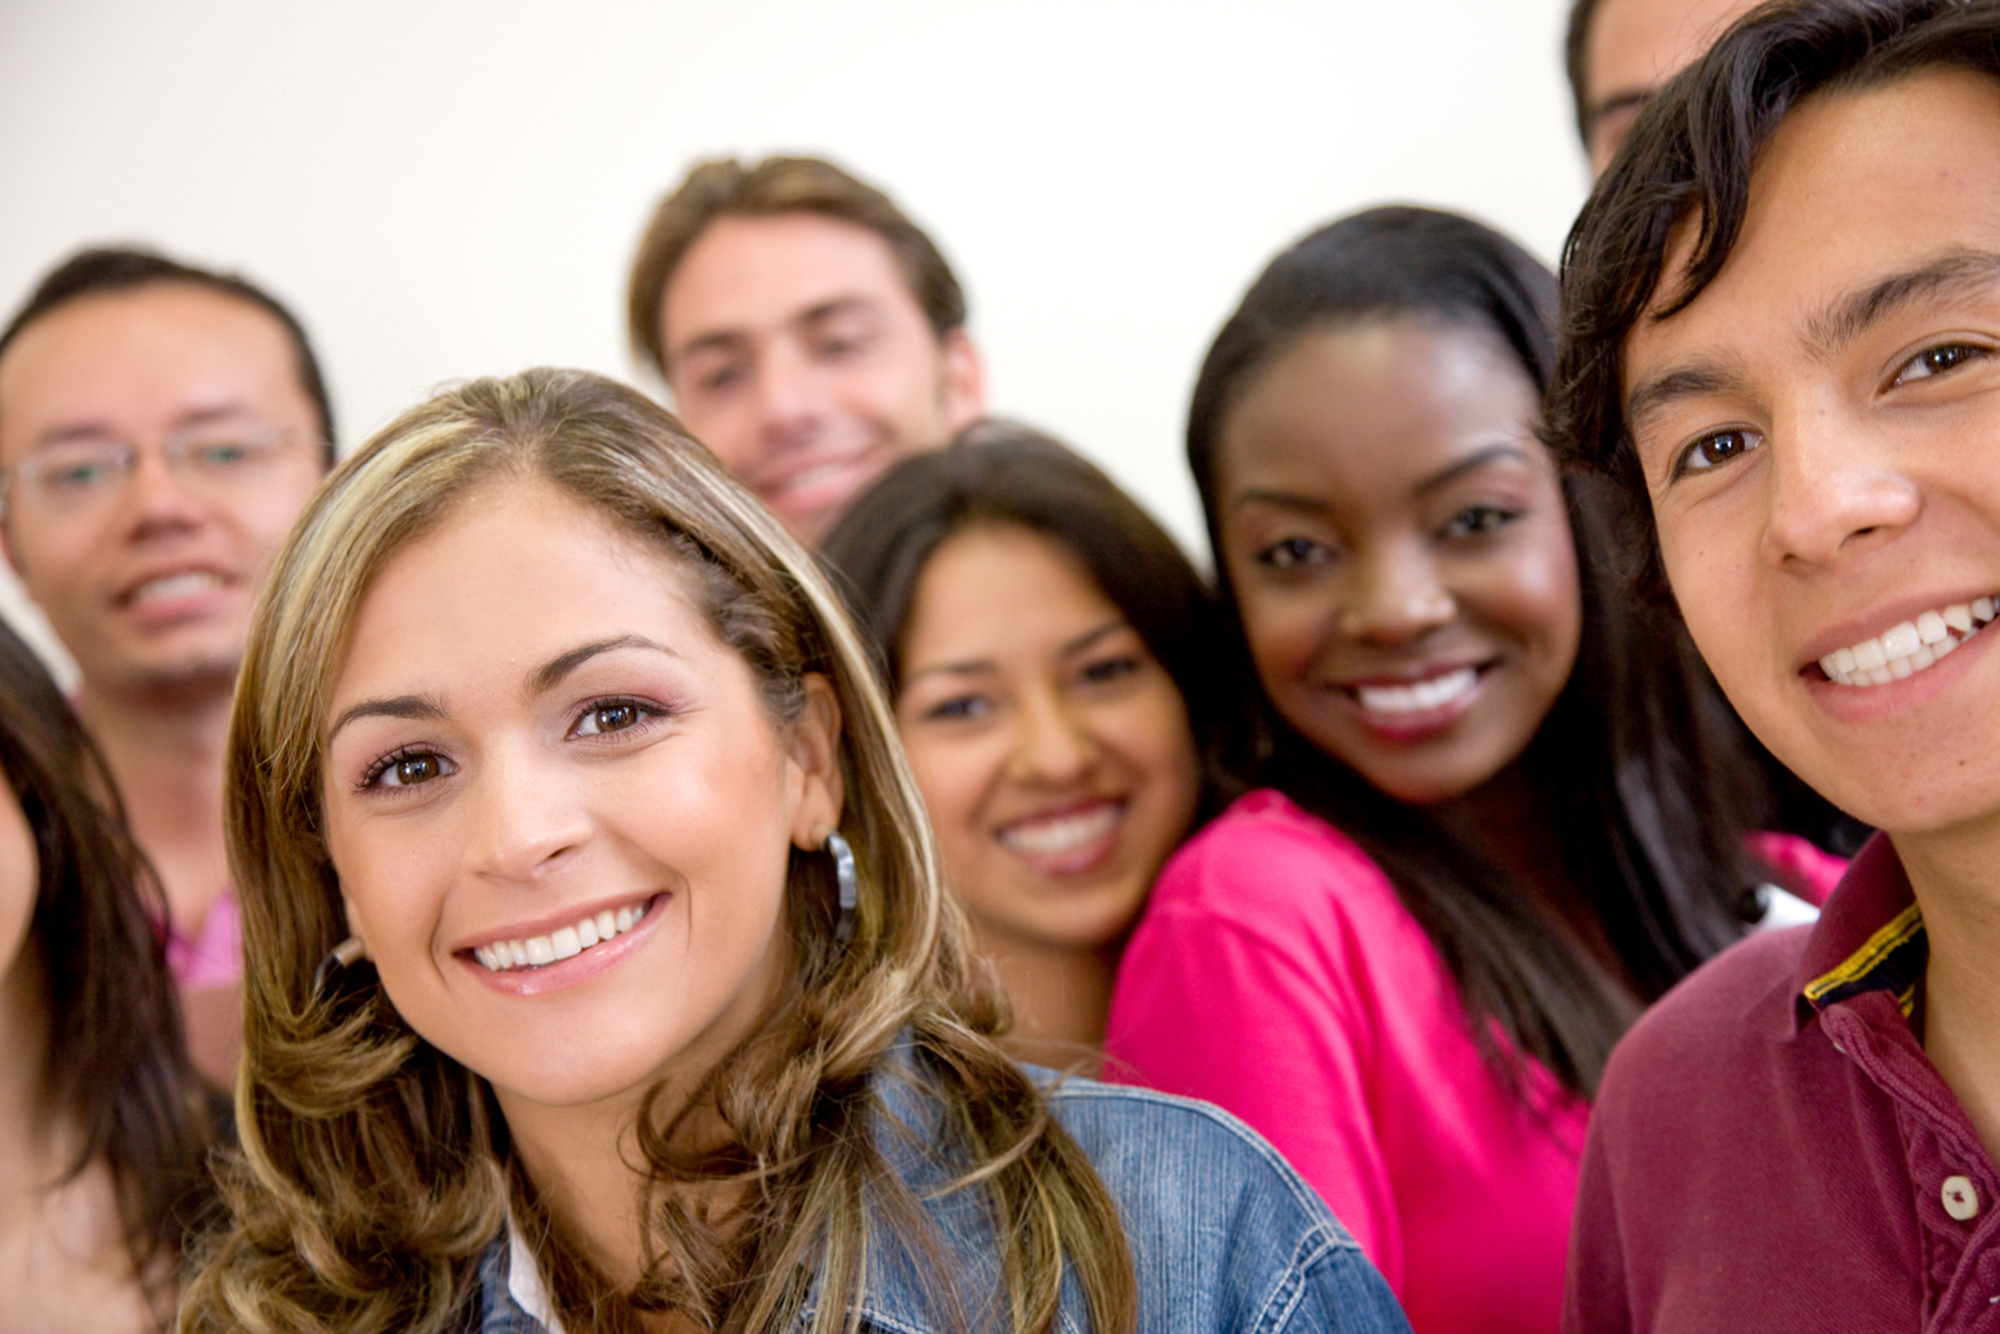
1278	974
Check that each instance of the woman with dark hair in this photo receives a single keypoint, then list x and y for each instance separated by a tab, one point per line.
1049	652
1502	818
104	1127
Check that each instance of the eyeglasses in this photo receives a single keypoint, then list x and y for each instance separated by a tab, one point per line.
75	477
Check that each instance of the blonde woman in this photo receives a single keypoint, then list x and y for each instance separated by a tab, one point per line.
600	974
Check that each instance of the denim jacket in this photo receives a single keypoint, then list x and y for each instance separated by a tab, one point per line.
1225	1236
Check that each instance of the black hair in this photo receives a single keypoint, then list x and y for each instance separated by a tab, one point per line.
1689	159
117	1066
123	269
1650	792
1000	473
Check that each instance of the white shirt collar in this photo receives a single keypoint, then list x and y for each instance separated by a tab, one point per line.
524	1281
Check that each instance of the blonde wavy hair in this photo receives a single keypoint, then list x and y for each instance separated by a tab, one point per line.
374	1170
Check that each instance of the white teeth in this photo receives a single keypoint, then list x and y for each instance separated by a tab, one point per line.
1064	833
175	586
1906	649
563	943
1419	697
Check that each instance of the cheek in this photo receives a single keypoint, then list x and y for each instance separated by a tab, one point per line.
1285	632
953	775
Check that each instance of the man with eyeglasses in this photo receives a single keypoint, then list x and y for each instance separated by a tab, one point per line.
160	427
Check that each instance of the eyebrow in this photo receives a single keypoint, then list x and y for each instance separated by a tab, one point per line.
546	677
1451	472
1069	648
1613	103
71	432
551	673
1957	273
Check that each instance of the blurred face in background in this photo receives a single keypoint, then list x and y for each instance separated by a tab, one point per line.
799	355
157	444
1635	46
1053	750
1400	553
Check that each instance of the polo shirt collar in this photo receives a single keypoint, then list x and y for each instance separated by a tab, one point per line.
1869	937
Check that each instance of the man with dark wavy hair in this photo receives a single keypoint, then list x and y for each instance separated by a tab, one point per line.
1781	316
811	333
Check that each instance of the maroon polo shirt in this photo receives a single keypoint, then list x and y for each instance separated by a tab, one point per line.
1771	1149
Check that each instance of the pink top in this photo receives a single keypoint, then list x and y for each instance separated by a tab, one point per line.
1277	973
213	958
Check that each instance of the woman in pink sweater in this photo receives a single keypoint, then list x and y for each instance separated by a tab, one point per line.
1501	814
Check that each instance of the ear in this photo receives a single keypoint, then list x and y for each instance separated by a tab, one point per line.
963	382
815	753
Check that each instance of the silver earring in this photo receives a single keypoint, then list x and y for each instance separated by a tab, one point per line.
338	958
843	874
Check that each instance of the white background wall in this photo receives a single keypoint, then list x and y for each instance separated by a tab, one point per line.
446	188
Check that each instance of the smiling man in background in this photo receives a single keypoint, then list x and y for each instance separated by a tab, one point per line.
160	427
811	333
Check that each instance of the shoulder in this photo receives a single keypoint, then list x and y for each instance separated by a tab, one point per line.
1697	1053
1221	1227
1262	852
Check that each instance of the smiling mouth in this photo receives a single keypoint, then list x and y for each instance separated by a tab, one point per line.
1417	697
1064	832
187	583
1908	648
504	956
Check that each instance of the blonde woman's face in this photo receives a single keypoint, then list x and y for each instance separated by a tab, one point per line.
560	813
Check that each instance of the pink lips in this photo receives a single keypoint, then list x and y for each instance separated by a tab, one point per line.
573	971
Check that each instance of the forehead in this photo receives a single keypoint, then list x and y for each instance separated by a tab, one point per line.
1638	44
1001	587
1854	189
142	360
748	273
1374	408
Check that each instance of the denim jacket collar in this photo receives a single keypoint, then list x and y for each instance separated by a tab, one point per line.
901	1294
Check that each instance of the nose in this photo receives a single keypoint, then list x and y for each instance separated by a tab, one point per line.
1052	745
1834	490
529	819
791	398
1395	594
157	499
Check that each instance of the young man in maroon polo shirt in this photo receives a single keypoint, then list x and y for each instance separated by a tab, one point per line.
1782	315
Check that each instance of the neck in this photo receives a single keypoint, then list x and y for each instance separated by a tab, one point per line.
1061	997
1952	876
165	751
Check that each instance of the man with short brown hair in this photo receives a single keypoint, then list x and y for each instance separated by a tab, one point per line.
811	333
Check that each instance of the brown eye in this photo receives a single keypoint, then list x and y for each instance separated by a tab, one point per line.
616	715
1715	449
1937	360
407	769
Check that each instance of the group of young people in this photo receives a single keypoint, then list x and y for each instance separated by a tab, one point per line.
827	859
